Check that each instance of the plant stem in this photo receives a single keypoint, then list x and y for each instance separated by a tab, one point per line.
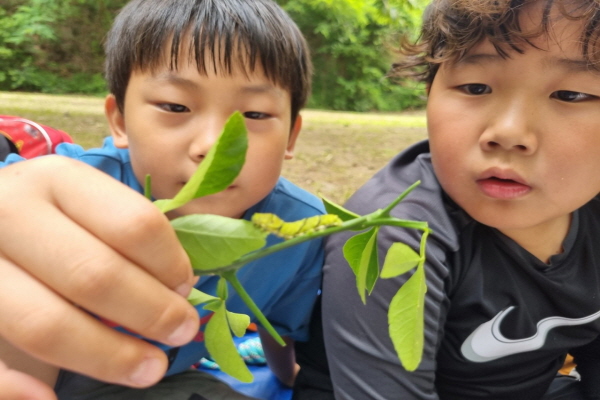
232	278
386	211
247	258
148	187
364	222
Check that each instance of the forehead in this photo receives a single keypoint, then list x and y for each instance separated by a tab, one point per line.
560	42
561	31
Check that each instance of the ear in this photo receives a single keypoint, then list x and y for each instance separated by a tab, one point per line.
116	122
294	133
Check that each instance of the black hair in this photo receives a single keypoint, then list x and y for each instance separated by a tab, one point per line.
146	34
453	27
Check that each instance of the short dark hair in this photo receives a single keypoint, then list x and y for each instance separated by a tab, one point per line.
453	27
257	32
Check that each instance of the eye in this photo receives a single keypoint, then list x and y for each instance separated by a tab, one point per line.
173	108
256	115
571	97
476	89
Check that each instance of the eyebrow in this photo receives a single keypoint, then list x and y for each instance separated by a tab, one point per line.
265	88
572	65
480	58
568	64
187	83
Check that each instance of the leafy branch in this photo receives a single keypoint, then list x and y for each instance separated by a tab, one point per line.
221	246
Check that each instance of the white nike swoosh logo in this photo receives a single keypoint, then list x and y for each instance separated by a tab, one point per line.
487	343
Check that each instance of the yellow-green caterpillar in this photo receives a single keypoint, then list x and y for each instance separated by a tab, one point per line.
273	224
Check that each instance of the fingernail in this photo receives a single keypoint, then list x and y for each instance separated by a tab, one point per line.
184	333
148	372
184	289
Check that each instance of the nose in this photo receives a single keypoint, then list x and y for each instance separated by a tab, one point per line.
511	128
203	136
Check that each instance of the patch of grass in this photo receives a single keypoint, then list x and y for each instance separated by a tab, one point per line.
337	151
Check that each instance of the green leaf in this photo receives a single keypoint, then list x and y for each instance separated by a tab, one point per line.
400	258
221	347
405	319
197	297
213	241
333	208
238	323
219	168
361	253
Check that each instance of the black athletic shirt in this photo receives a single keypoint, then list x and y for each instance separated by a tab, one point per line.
498	321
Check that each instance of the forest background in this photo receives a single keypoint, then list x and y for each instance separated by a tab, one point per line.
55	46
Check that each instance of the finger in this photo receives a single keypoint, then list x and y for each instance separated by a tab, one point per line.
30	312
16	385
118	216
86	271
89	273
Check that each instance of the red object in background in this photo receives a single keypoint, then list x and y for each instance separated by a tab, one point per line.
28	138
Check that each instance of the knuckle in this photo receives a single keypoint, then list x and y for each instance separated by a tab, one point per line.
145	221
90	278
37	330
150	227
163	321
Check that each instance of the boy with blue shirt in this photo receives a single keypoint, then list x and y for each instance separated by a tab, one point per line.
177	69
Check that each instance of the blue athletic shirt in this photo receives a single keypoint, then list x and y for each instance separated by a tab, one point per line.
284	285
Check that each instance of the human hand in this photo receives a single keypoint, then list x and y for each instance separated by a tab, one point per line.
73	242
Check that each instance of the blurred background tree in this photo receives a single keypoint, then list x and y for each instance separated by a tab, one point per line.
55	46
353	45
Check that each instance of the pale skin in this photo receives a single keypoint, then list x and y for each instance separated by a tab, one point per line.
41	204
515	141
122	275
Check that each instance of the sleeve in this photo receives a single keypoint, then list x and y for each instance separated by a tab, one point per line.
12	158
587	359
291	312
360	353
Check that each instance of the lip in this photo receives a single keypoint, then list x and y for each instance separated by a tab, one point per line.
503	184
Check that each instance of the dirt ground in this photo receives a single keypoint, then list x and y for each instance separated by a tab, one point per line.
334	158
337	151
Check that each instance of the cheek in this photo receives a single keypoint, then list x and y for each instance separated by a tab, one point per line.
262	162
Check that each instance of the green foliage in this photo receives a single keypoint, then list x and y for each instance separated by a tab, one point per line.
219	341
406	312
353	44
399	251
54	46
361	253
217	171
208	234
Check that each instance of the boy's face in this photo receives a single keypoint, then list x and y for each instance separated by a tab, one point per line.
516	142
172	118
